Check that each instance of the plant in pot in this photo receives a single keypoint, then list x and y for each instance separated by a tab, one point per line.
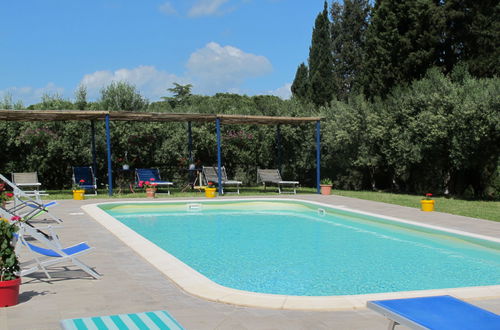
326	186
149	186
427	203
9	264
210	190
78	191
4	194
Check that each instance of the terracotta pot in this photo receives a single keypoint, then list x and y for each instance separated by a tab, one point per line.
325	189
151	192
9	292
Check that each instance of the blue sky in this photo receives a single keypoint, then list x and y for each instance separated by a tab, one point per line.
241	46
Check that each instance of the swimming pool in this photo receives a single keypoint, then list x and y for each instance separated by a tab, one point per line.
301	249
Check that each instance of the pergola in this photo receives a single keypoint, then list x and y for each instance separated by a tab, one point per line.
107	116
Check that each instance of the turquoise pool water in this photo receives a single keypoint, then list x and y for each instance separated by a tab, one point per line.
296	248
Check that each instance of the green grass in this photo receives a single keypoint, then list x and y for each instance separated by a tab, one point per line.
489	210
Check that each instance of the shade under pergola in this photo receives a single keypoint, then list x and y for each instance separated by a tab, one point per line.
70	115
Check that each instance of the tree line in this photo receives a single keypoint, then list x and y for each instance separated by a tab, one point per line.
408	91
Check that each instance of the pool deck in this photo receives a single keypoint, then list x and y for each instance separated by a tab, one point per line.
131	284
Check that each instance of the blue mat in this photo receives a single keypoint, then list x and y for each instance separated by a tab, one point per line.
438	312
143	321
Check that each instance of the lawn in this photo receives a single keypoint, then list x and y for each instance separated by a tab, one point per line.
489	210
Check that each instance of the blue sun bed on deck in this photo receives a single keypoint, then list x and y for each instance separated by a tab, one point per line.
438	312
147	320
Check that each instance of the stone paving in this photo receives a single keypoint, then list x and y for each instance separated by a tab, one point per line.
130	284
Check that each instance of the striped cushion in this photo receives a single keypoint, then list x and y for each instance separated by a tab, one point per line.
146	321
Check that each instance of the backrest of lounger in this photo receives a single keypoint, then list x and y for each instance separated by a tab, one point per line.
223	173
25	177
146	174
210	174
84	173
268	175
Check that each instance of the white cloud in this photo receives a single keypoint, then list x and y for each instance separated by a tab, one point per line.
206	8
30	95
168	9
217	68
151	82
285	91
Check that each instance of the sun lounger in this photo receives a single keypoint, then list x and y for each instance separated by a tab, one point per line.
25	206
210	175
51	252
29	180
146	320
273	176
83	176
438	312
146	174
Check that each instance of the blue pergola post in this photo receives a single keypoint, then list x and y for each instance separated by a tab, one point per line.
219	156
108	145
318	153
92	142
190	143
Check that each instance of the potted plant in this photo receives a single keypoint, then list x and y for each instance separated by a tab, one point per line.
9	264
427	203
149	186
4	195
210	190
78	192
326	186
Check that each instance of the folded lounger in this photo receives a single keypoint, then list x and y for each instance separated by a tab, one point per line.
146	174
438	312
146	320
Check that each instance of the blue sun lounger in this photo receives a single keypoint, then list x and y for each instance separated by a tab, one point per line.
146	320
146	174
438	312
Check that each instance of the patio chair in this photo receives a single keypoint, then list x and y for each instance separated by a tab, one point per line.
210	175
83	176
146	320
29	180
147	174
273	176
25	206
438	312
51	252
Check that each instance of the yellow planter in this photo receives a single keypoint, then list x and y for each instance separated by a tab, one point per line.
79	195
210	192
427	205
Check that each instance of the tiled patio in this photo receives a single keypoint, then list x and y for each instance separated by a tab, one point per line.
130	284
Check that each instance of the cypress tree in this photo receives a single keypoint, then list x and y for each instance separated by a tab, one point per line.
403	42
472	36
321	61
349	25
300	85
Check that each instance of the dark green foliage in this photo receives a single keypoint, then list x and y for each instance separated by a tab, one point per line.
9	264
403	41
472	36
300	86
321	61
349	25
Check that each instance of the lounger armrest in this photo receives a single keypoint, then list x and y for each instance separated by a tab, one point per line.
28	184
288	182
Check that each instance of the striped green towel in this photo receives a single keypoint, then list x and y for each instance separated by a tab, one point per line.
140	321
